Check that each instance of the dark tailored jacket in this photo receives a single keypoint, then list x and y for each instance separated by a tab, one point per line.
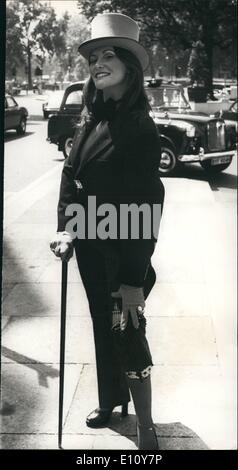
116	161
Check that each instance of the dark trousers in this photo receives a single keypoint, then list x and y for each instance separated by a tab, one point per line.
98	270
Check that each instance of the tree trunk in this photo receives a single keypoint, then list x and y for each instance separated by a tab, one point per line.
29	73
209	46
209	79
151	65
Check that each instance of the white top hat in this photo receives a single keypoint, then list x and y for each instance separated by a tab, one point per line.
115	29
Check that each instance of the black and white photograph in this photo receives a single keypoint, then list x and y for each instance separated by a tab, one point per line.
119	228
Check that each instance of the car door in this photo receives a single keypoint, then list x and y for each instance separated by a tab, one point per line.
12	113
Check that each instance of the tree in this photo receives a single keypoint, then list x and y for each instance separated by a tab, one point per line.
39	32
198	64
14	51
78	31
176	24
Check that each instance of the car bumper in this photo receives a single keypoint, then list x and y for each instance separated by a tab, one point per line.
201	156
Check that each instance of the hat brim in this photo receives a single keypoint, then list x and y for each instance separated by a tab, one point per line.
133	46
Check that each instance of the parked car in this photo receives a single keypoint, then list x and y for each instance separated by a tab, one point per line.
52	106
12	87
15	115
186	136
61	127
25	86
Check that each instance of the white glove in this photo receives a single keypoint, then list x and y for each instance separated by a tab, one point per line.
133	302
62	246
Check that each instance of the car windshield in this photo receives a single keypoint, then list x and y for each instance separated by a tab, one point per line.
166	97
233	107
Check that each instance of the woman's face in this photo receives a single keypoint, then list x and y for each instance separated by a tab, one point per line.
106	69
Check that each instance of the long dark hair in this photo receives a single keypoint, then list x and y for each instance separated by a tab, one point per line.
135	95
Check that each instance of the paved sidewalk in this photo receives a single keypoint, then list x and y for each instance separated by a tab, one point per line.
191	328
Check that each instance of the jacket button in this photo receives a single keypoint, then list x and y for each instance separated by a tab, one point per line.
78	184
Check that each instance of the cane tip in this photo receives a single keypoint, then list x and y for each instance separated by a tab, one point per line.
7	409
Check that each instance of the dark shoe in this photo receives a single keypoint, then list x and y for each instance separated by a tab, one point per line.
147	439
101	416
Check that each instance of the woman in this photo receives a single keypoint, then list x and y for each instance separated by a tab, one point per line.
115	159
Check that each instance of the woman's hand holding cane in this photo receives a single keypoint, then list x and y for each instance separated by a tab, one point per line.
62	246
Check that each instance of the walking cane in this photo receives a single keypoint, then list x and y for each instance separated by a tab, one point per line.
62	348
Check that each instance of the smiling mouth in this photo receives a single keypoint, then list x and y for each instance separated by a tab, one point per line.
101	74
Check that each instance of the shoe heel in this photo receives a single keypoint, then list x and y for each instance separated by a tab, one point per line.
124	410
147	439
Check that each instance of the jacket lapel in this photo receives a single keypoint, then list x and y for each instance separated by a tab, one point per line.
79	137
99	142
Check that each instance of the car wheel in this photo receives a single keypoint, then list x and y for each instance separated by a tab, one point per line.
21	129
168	161
214	169
67	145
